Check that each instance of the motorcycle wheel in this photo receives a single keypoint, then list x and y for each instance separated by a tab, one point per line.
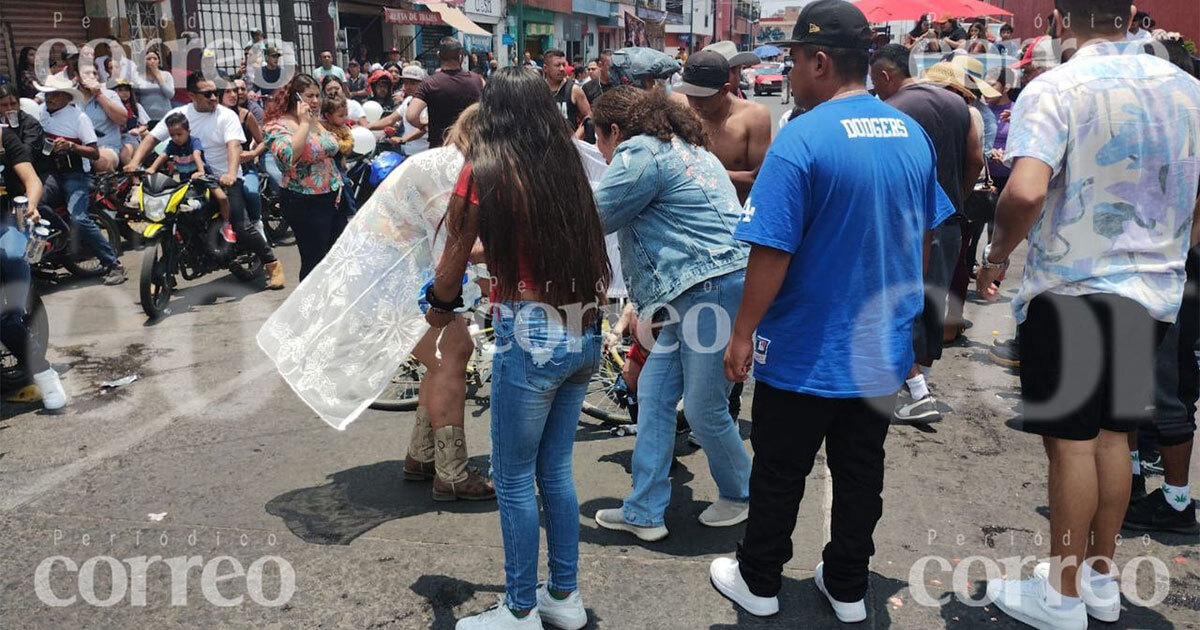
13	376
90	267
155	282
276	226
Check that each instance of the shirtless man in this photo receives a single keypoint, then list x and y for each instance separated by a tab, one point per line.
739	131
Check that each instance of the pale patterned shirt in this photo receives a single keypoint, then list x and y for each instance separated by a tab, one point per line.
1121	130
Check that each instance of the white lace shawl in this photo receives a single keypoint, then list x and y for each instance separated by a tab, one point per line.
341	335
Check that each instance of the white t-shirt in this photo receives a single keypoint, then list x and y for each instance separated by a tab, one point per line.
420	144
213	129
71	124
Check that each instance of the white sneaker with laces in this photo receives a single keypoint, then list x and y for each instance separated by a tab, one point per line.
847	612
724	513
727	579
499	617
568	614
54	397
1102	603
615	520
1027	602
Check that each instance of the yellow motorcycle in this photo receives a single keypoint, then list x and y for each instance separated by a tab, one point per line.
183	239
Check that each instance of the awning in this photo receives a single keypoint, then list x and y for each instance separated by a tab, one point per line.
534	28
457	19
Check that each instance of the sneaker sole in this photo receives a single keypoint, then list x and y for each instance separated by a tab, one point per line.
727	522
564	624
632	529
1105	615
753	610
1023	618
821	588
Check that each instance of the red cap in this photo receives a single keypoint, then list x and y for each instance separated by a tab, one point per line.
1040	51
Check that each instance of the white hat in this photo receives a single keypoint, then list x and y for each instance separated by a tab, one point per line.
729	51
376	66
59	83
413	72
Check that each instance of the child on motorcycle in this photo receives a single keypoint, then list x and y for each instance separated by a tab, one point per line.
187	160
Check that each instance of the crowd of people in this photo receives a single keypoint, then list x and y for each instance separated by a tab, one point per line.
831	263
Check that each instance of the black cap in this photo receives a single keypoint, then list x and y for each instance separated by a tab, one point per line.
833	23
704	74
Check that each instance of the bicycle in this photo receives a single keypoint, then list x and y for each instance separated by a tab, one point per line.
402	392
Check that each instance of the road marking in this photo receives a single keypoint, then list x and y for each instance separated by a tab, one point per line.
13	498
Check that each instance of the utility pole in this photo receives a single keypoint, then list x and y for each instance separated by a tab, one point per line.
692	28
520	32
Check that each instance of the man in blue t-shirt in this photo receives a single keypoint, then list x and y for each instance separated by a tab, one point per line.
837	220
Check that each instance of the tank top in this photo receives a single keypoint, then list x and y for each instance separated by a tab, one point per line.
566	104
243	114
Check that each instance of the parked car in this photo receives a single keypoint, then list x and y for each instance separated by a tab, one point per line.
768	78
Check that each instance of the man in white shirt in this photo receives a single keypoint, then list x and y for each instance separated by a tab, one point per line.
220	134
70	146
327	67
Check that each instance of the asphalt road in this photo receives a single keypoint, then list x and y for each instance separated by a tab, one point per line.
208	459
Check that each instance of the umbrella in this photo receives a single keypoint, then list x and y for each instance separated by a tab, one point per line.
767	50
878	11
978	8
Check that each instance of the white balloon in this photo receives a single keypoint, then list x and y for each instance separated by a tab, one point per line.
364	140
373	110
31	107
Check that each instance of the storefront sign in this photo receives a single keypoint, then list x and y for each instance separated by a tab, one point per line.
420	18
493	8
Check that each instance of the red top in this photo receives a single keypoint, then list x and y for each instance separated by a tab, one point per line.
464	189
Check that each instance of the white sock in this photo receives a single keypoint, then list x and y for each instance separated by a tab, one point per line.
1178	497
917	387
1137	462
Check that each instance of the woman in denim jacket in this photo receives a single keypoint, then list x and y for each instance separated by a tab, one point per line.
675	211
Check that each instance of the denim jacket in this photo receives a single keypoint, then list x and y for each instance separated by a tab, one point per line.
675	210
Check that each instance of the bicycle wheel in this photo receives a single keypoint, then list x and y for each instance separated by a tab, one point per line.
606	398
401	392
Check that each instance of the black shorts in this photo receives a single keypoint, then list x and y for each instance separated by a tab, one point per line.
1087	363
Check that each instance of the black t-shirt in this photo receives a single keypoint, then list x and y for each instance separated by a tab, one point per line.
14	152
947	121
446	94
957	35
593	89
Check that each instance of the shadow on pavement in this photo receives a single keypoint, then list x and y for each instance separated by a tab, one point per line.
801	605
221	288
357	500
446	593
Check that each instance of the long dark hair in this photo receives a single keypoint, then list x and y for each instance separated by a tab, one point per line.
22	64
640	112
282	101
534	195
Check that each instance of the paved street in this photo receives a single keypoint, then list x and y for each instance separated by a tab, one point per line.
208	454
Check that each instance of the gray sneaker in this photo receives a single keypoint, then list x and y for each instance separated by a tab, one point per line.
116	275
909	411
615	520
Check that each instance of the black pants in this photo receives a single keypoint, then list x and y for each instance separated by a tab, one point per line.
246	232
15	284
316	222
787	430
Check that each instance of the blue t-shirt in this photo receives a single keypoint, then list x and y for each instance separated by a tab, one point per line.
181	156
849	189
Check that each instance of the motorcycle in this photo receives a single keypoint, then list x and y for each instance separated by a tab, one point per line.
12	375
184	234
65	251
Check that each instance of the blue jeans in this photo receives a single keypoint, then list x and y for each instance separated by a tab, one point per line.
688	361
540	375
71	190
250	184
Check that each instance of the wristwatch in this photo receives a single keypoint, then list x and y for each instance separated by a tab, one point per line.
987	260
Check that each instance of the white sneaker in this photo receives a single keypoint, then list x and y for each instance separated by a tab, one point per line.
724	513
54	397
847	612
727	579
567	614
499	617
1102	603
615	520
1026	601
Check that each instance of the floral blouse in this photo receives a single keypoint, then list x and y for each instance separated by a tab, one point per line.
312	172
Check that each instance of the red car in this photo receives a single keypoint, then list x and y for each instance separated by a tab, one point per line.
767	78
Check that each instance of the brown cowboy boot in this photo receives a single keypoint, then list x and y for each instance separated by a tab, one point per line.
418	464
274	275
453	479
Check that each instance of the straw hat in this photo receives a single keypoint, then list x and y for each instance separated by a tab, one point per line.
59	83
962	75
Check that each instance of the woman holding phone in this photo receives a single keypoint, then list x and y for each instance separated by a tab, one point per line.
305	152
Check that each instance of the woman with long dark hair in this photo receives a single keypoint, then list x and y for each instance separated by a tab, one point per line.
525	193
26	76
305	152
155	86
675	211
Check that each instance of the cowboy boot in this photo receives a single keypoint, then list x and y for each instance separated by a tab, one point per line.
274	275
418	464
454	479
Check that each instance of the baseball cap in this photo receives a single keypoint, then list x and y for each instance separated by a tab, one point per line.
413	72
704	74
273	51
729	51
833	23
1040	52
